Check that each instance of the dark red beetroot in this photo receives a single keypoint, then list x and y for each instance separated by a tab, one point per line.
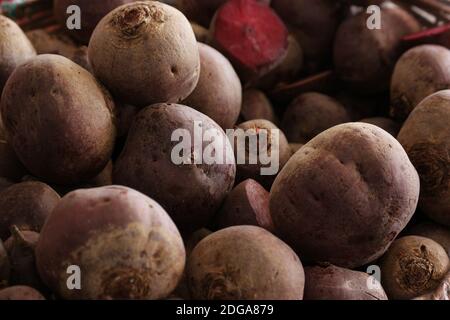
92	12
247	204
363	58
252	36
124	243
26	205
202	11
20	247
335	283
20	293
191	193
5	267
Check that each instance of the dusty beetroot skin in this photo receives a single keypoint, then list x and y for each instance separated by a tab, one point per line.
125	244
345	195
413	266
442	292
334	283
244	263
20	293
424	136
251	34
247	204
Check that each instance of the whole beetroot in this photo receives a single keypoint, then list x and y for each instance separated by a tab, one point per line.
124	243
63	103
413	266
170	168
26	205
244	263
334	283
420	72
345	195
364	58
119	53
424	136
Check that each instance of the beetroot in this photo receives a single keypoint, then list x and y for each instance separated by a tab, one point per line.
334	283
20	247
252	36
26	205
20	293
124	243
247	204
